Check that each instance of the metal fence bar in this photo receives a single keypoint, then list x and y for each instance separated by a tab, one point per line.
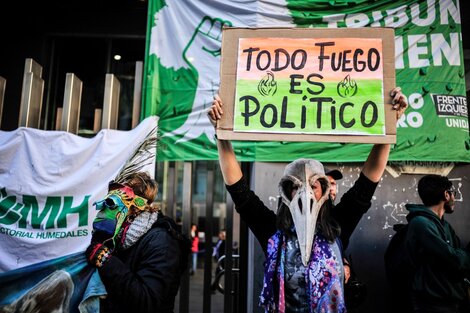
97	120
31	95
3	83
209	232
58	118
137	93
111	102
71	106
171	187
32	66
187	200
229	288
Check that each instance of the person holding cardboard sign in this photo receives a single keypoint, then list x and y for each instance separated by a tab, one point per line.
303	242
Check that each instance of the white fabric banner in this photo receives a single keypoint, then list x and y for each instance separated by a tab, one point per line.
49	181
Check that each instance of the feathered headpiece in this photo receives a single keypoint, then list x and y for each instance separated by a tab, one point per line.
121	199
144	155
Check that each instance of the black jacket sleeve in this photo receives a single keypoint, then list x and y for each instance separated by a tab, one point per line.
354	203
260	219
149	276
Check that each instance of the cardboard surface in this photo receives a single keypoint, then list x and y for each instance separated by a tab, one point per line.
279	37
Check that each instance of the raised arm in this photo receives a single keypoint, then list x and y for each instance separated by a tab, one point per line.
357	200
229	165
259	218
378	156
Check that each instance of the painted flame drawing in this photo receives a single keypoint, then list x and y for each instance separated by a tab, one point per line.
347	87
267	85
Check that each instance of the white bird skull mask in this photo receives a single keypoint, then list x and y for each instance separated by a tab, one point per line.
297	192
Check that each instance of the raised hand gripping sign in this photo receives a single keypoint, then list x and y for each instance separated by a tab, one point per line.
296	84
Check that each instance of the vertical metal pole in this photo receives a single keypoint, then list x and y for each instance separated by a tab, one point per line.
31	95
136	102
163	166
243	240
171	187
209	232
187	192
3	83
58	118
32	66
71	107
228	294
111	103
243	266
237	291
97	120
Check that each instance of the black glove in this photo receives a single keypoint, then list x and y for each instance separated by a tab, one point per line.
99	236
97	254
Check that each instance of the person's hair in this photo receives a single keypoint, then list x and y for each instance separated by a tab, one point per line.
144	186
432	188
325	223
196	230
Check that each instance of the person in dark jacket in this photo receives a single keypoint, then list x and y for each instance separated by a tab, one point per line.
303	241
217	253
441	265
139	252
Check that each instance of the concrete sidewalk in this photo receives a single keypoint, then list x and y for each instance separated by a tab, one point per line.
196	295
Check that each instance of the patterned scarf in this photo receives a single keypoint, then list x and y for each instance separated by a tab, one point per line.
324	288
131	232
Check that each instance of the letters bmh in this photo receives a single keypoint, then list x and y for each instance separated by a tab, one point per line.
310	86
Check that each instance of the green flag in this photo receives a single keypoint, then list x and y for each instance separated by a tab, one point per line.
183	61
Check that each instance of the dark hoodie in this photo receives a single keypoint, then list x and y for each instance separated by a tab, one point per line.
441	265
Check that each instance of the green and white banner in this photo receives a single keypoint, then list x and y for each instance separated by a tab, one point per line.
49	181
183	62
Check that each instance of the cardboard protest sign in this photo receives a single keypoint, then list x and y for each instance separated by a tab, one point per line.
295	84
